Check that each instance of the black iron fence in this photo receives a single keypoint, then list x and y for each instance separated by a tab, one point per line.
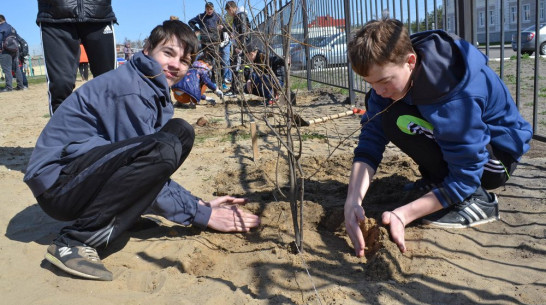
316	38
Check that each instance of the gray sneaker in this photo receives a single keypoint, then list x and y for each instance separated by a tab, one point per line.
469	213
79	260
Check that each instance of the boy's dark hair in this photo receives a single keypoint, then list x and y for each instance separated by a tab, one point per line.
174	28
230	4
379	42
2	18
251	47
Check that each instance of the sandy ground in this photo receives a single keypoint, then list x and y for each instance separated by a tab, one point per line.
498	263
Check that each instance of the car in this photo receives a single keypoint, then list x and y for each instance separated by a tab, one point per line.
323	52
528	36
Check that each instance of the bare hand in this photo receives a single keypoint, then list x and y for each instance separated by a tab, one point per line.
354	214
397	226
227	216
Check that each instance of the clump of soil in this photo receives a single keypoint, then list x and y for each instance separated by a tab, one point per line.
384	259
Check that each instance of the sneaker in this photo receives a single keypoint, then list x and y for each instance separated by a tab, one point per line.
230	93
5	90
469	213
21	88
78	259
224	87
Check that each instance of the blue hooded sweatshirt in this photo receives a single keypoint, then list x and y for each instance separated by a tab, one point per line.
131	101
467	105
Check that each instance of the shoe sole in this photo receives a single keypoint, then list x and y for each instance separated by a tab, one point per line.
458	225
53	260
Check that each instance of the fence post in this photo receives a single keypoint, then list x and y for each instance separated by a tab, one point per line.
347	38
466	23
306	42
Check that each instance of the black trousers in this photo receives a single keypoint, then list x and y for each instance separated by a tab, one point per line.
424	150
61	43
107	189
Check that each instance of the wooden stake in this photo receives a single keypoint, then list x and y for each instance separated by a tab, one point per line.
254	140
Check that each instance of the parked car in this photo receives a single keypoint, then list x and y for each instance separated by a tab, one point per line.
323	52
528	37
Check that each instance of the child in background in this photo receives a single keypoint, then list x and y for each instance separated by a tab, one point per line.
191	89
84	64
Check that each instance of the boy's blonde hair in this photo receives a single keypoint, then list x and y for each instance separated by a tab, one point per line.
379	42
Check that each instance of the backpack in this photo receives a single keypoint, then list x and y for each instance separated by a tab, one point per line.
23	47
10	44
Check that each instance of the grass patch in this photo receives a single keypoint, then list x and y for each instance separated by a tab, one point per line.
510	78
36	79
310	136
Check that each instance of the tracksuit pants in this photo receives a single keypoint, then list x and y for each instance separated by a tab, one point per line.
61	47
9	63
406	128
106	190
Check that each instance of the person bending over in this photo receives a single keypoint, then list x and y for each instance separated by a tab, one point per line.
434	97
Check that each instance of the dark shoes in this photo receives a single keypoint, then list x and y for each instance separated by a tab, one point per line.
473	211
77	259
6	89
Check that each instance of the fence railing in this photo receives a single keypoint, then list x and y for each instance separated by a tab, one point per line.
320	30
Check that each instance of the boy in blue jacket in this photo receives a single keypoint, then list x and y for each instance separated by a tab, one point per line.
107	155
434	97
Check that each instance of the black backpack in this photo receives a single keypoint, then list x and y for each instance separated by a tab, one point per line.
23	46
10	44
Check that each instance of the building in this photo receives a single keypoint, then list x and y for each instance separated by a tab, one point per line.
491	17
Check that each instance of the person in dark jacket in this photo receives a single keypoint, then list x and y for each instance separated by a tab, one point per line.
106	156
266	77
208	26
240	32
9	60
434	97
63	24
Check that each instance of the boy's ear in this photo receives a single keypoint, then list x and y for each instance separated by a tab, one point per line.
412	60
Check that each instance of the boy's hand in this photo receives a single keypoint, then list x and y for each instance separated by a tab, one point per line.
354	214
397	225
226	215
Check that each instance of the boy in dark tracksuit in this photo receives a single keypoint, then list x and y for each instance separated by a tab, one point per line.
434	97
266	78
107	155
63	23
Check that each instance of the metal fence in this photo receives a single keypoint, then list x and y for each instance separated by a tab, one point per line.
317	39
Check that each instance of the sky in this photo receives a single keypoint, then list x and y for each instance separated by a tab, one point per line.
136	18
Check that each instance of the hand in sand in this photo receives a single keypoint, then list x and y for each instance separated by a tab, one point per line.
397	225
227	216
354	214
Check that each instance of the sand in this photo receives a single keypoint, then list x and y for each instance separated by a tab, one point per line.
498	263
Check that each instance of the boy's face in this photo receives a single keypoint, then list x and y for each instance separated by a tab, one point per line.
209	10
391	80
171	57
232	11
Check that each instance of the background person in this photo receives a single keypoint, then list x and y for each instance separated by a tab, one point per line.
64	24
9	59
84	64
